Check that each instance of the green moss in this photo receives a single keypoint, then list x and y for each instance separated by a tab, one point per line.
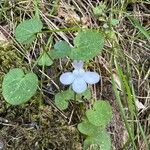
9	58
38	129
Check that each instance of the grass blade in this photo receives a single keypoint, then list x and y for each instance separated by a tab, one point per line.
137	25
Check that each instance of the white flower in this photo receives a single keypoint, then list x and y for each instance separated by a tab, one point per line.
79	78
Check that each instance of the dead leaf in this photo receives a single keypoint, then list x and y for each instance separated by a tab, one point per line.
2	37
3	40
69	14
139	105
117	81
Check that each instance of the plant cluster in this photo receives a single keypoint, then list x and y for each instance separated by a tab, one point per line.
19	86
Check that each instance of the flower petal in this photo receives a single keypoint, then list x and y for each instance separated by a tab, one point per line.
91	77
67	78
79	85
78	64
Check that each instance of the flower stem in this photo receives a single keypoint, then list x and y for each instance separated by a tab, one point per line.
60	30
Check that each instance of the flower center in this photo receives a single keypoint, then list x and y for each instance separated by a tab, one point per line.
78	73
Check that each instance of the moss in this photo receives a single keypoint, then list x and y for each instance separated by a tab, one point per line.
9	58
31	128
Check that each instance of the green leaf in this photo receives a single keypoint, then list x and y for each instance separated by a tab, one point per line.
85	95
18	88
61	102
114	22
100	141
26	31
85	127
61	49
110	34
80	97
44	59
62	98
99	10
101	113
88	44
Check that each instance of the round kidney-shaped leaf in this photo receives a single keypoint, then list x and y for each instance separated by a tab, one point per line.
101	113
61	49
61	102
62	99
44	59
17	87
100	141
87	128
87	44
26	31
